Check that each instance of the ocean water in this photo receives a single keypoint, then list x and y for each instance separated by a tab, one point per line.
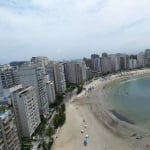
131	98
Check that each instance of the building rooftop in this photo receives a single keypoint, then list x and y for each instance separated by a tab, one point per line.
5	115
23	91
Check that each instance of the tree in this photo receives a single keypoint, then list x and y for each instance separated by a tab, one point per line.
59	119
50	132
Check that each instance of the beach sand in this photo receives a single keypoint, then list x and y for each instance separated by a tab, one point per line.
105	130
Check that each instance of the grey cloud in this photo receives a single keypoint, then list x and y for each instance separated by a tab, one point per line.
73	28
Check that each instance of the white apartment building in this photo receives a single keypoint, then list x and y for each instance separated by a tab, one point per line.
132	63
1	89
31	75
141	59
40	61
25	104
8	78
59	75
106	64
147	57
9	139
50	91
97	64
50	70
6	74
115	59
93	58
76	72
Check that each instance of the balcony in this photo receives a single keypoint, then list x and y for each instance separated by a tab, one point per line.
2	146
6	126
8	131
1	141
12	139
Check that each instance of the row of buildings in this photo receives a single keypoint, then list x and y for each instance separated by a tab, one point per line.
117	62
32	86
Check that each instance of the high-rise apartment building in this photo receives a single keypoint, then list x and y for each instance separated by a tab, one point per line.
25	104
9	139
115	59
50	70
96	63
147	57
7	76
59	75
50	91
122	63
141	59
88	62
132	63
75	72
106	63
40	61
31	75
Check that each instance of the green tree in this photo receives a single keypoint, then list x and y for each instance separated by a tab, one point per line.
50	132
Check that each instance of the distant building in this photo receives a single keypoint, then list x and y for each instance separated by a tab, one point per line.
75	72
123	62
15	64
8	78
88	73
147	57
97	64
141	59
93	58
31	75
50	70
104	55
59	77
1	89
106	64
132	63
88	62
9	139
115	59
25	104
50	91
6	75
40	61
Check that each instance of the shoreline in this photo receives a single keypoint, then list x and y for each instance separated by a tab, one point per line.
93	106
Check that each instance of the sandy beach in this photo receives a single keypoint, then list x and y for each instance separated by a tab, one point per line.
105	130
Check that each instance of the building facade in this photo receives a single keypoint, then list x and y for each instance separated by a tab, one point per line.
31	75
115	59
88	62
106	63
141	59
147	57
75	72
25	104
95	62
40	61
50	91
9	139
132	63
59	77
50	70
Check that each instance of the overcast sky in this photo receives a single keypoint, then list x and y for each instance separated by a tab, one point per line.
68	29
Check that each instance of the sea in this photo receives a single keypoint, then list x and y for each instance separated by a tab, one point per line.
131	99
